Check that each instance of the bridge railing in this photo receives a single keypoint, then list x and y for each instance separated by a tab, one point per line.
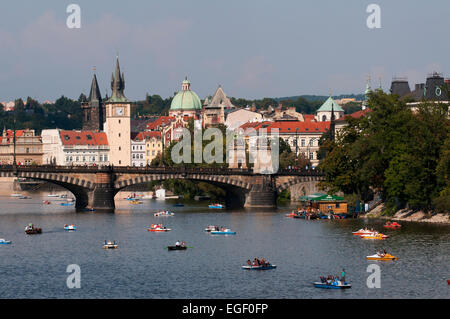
151	170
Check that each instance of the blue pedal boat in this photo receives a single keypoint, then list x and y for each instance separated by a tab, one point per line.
223	232
66	204
4	242
219	206
333	285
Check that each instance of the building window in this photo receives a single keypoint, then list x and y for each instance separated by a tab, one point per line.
120	148
153	152
119	134
119	121
311	155
303	142
324	118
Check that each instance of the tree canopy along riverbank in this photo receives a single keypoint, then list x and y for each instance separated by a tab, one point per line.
398	151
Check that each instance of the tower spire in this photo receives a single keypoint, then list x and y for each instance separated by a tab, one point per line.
117	84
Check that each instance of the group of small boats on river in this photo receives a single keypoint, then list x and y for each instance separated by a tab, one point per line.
328	282
311	215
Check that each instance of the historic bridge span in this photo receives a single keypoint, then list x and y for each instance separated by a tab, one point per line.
95	187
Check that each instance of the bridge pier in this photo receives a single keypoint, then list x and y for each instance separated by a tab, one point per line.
263	194
101	197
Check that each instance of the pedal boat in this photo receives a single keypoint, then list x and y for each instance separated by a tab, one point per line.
176	248
219	206
110	245
377	236
393	225
362	232
4	242
248	267
333	285
155	228
382	257
223	232
163	213
211	228
70	227
31	230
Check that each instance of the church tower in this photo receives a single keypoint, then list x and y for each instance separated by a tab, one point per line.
93	109
117	123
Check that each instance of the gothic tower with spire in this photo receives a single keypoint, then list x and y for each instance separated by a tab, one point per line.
118	121
93	109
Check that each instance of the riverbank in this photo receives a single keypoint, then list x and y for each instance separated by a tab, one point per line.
409	216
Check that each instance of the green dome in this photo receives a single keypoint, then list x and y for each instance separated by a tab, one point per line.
186	99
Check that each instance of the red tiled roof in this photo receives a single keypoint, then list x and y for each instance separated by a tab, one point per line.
147	135
83	138
162	120
309	117
355	115
290	126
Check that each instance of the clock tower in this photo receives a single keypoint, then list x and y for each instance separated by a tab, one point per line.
117	124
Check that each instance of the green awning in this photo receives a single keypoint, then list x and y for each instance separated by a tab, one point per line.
310	197
328	198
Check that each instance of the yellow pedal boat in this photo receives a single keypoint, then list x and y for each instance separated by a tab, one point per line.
382	257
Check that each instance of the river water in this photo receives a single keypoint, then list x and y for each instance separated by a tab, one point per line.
34	266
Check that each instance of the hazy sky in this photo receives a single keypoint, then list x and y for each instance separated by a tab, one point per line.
253	48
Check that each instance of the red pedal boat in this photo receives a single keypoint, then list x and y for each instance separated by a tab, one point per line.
393	225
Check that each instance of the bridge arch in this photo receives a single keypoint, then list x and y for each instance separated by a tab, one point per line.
220	180
307	183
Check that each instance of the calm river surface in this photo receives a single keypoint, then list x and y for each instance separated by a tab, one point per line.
34	266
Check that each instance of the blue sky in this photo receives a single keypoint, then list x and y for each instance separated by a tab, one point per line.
253	48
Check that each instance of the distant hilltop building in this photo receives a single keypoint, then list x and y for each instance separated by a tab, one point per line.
431	90
8	106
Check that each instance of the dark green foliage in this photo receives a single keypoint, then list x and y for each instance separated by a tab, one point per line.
65	113
401	154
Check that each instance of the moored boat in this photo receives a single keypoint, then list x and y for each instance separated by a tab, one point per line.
110	245
66	204
135	202
215	205
31	230
4	242
46	202
382	257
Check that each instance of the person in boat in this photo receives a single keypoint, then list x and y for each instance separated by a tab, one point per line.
183	244
343	275
177	244
249	262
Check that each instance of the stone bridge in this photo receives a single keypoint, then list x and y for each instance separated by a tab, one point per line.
95	187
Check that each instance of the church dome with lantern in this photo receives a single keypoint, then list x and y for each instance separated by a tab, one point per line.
185	102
